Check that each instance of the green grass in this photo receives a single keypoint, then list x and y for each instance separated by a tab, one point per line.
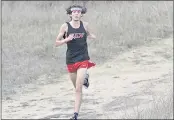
29	30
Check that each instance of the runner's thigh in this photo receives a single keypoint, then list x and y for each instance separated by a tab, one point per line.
81	72
73	77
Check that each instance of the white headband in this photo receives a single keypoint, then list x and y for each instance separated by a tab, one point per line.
76	8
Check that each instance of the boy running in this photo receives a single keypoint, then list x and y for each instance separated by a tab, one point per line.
75	34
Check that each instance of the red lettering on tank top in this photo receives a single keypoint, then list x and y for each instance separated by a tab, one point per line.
78	35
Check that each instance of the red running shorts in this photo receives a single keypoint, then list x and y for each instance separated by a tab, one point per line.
84	64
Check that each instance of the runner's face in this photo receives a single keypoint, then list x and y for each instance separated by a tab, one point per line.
76	15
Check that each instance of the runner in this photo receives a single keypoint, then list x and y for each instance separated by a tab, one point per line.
75	34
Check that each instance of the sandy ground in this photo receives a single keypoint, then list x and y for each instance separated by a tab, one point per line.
117	87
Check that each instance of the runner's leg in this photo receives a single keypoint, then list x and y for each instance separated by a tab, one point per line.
73	77
78	91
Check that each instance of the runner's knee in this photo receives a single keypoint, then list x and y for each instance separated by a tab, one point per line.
78	89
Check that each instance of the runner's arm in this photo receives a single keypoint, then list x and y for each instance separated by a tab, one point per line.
59	40
90	34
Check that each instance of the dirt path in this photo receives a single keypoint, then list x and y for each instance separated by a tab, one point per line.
130	80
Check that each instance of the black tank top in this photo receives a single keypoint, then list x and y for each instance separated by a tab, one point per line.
77	49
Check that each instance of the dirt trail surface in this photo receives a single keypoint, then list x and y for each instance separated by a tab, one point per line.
131	79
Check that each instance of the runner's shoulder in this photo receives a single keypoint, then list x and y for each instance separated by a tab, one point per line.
64	26
85	23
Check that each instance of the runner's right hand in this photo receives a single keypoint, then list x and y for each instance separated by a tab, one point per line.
70	37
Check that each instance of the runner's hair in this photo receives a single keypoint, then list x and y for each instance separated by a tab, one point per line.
68	10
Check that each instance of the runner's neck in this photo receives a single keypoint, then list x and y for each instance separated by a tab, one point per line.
75	24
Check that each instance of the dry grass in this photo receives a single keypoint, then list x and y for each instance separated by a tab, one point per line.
159	108
29	30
